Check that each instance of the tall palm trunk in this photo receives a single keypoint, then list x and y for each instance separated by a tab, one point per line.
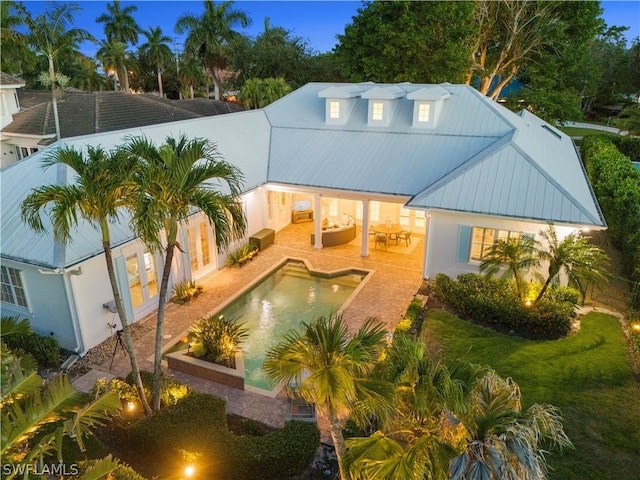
126	79
128	340
338	441
191	90
52	78
164	286
160	81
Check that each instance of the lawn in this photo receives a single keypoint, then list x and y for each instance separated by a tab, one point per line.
582	132
587	375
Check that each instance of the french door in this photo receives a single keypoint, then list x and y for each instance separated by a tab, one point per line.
142	275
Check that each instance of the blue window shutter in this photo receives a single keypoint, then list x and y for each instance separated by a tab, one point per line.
464	243
123	285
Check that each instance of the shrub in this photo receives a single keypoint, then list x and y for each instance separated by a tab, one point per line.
495	303
186	291
563	294
196	426
217	339
280	454
45	350
241	255
170	390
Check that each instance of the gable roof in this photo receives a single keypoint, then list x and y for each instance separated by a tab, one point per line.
85	113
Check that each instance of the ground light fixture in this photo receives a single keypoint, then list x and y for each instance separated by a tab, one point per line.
189	471
131	406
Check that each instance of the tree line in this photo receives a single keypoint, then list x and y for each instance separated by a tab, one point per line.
572	63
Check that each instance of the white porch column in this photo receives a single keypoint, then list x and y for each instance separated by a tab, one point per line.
365	228
317	222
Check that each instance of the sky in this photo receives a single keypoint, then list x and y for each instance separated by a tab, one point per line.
319	22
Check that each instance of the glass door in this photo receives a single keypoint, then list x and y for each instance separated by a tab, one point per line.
143	280
201	249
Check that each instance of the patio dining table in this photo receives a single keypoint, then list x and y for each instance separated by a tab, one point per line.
390	231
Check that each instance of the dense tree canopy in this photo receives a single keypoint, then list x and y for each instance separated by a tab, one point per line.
420	42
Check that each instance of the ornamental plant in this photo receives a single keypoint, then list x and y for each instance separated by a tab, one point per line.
217	339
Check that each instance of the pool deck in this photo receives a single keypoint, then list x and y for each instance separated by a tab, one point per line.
385	295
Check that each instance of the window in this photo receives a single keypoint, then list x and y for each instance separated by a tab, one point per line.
359	210
333	207
374	211
421	218
204	244
377	111
483	238
12	288
334	109
423	112
404	216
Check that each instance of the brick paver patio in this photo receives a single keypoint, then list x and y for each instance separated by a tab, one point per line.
386	295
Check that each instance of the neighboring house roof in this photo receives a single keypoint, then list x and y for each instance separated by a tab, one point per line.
479	158
84	113
10	81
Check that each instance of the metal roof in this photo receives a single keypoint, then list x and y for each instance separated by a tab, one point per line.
243	138
478	158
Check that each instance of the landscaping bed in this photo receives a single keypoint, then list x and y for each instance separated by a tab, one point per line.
587	375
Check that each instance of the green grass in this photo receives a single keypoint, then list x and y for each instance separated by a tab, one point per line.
582	132
586	375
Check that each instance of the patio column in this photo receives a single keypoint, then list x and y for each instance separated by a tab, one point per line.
365	228
317	222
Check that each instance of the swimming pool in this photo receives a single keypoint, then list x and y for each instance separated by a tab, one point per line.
288	295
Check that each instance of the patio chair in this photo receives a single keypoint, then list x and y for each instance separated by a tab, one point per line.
383	239
406	236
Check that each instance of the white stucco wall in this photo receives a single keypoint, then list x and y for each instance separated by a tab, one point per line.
442	239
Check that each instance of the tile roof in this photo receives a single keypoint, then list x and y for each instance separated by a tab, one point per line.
84	113
6	79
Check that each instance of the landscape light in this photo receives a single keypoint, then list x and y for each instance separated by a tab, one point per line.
131	406
189	471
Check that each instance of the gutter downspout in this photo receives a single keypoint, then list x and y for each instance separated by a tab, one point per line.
73	310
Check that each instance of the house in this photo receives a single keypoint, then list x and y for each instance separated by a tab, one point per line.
441	160
31	127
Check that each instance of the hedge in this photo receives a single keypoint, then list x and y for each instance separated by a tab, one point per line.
616	184
494	303
197	425
45	350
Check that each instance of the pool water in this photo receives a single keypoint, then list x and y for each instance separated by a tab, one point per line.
279	303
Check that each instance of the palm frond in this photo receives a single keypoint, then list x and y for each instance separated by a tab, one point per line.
19	378
21	420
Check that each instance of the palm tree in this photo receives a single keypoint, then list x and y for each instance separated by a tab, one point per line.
101	190
157	52
517	254
500	439
175	178
579	259
120	27
34	418
49	35
209	34
115	56
415	441
85	76
329	367
630	119
14	43
190	72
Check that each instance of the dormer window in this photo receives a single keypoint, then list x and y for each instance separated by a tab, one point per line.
424	109
339	102
428	103
377	111
382	104
334	109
